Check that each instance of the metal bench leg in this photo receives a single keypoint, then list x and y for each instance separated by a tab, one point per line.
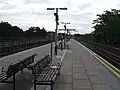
51	86
34	86
14	81
34	82
59	73
22	71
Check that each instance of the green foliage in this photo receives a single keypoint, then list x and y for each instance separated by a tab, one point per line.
107	27
83	37
36	32
7	30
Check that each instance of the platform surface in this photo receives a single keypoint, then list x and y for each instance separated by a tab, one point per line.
80	70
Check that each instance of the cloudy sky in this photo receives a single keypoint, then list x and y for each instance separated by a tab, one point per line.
80	13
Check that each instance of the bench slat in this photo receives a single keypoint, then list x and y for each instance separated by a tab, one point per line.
13	69
48	75
45	72
40	65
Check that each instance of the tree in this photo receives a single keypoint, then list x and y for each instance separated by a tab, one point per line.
107	27
35	32
17	32
7	30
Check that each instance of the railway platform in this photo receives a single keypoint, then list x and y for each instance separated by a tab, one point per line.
81	70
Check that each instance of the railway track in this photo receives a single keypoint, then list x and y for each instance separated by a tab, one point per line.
110	54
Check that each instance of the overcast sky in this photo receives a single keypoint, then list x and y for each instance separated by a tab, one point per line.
80	13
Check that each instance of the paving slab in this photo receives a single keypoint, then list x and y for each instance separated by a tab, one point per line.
92	72
80	76
64	79
101	87
96	79
81	84
82	89
78	70
39	87
63	87
77	62
77	65
66	72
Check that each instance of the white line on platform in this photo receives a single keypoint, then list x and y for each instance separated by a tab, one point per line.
103	61
87	49
63	55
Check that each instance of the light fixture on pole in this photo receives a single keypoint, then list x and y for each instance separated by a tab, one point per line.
57	23
65	28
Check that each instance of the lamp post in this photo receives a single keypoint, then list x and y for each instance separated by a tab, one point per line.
65	32
51	45
68	32
57	23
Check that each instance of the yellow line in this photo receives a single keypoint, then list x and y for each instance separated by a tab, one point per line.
118	75
100	60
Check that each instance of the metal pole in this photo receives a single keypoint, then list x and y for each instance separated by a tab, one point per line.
56	14
34	82
51	46
65	37
14	81
56	33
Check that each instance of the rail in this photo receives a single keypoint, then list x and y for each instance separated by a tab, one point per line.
112	55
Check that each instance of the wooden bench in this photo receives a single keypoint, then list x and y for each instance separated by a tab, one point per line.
45	72
14	68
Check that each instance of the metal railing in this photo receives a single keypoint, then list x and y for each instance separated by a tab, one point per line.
12	46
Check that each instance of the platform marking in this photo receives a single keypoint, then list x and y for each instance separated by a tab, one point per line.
87	49
118	75
103	61
63	55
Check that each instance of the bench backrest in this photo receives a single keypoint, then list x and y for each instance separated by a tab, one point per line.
40	65
13	69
